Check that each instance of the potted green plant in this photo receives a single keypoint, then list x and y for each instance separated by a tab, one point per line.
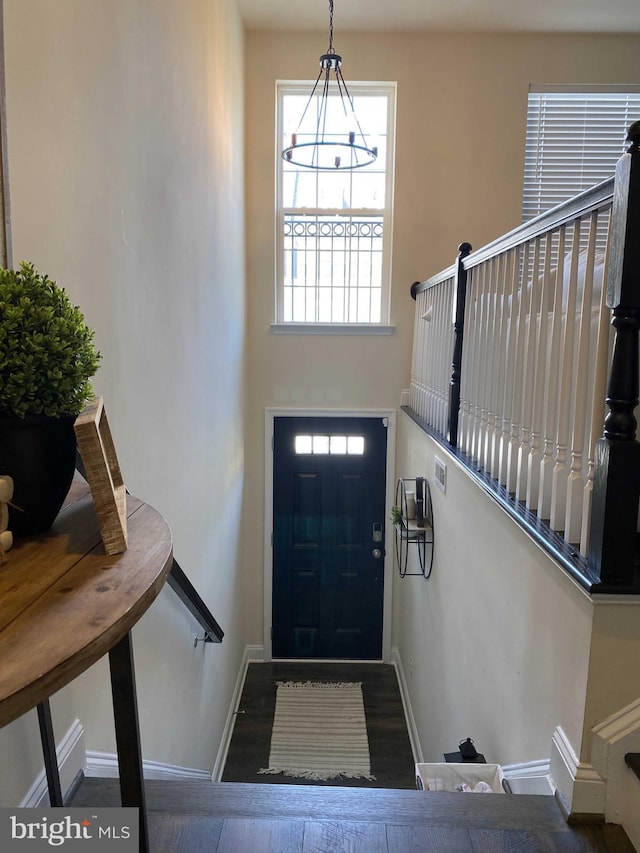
47	359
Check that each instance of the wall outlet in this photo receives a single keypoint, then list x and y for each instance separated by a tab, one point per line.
440	474
411	667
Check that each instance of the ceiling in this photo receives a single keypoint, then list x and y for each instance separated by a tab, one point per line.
580	16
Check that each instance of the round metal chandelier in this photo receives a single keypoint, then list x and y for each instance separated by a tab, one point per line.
344	148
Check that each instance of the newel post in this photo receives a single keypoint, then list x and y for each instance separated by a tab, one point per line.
616	488
459	301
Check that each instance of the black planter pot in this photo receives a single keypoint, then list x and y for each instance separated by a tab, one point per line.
40	454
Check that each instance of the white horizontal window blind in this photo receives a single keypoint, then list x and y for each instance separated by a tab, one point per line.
574	139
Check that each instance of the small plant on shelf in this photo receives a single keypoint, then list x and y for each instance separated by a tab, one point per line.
396	515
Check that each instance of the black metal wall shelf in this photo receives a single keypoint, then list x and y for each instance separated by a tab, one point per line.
414	529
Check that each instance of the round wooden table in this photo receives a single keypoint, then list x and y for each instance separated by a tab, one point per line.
65	604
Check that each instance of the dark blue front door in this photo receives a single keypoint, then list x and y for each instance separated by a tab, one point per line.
328	528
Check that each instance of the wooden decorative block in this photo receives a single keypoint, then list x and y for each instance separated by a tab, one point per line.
103	475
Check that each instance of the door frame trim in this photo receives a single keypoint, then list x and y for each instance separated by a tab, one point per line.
270	415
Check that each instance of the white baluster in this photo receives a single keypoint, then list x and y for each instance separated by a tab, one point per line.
576	483
598	407
495	272
499	366
424	365
415	359
481	432
520	330
540	378
507	464
436	356
551	386
425	357
560	473
528	372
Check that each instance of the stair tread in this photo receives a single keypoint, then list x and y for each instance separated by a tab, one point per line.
245	800
229	817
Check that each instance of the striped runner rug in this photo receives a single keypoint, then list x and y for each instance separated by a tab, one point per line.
319	731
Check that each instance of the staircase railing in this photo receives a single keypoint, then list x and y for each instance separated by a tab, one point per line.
186	592
184	589
512	349
213	633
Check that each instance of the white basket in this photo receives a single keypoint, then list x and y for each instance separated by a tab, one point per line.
450	776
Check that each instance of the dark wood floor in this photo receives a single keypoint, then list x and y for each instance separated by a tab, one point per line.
392	761
193	817
242	817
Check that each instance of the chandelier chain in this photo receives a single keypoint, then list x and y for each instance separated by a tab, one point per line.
327	151
330	50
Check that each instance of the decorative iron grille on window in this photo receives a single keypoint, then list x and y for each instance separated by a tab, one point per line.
332	269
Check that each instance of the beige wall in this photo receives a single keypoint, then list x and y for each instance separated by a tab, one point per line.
496	644
500	644
126	168
459	161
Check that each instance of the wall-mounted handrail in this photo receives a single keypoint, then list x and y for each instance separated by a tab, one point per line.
185	590
188	595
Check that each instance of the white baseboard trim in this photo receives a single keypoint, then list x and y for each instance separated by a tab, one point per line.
325	660
414	739
252	654
618	733
580	785
105	765
527	769
70	753
611	740
529	777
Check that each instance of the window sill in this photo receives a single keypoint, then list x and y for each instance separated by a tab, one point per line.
331	329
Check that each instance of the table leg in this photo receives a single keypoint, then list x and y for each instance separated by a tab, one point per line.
49	752
125	712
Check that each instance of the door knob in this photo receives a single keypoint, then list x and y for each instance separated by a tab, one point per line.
377	553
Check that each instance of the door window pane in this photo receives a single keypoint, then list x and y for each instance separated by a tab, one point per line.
336	445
